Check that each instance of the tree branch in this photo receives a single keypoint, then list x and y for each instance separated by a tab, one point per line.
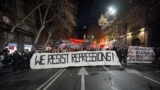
53	17
40	14
13	28
46	11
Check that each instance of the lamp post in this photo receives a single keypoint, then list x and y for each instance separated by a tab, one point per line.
108	18
112	14
112	11
90	38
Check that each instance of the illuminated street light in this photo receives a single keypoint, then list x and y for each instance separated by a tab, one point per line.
108	18
111	10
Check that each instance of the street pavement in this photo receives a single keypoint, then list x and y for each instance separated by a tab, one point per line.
131	77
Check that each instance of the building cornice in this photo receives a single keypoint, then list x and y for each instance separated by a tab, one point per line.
7	28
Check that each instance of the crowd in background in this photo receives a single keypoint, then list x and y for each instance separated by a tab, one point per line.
21	60
121	51
18	60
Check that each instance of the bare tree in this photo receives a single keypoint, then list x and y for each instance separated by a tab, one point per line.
44	19
49	35
62	26
105	21
11	34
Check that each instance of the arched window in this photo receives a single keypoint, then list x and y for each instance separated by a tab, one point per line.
136	42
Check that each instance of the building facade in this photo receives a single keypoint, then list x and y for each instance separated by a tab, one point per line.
134	28
11	13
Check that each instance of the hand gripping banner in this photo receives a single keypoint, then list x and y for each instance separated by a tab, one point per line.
70	59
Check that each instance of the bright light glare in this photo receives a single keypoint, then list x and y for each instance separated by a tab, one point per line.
142	29
111	11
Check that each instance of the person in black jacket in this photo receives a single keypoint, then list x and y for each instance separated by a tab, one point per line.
122	55
25	60
158	56
16	61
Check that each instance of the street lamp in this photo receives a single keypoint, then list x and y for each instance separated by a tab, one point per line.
90	38
111	14
111	10
108	18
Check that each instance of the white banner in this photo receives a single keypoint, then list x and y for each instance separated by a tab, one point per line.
138	54
68	59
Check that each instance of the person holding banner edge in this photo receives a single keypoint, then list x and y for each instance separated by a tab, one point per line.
122	55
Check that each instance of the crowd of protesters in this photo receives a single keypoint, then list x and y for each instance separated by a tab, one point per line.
121	52
18	60
21	60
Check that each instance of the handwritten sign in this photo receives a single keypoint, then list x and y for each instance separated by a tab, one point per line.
69	59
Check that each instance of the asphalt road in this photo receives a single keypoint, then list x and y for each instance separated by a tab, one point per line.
132	77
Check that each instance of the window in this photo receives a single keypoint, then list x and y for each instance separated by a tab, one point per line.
27	39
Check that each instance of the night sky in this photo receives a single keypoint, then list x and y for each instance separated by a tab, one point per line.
89	12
